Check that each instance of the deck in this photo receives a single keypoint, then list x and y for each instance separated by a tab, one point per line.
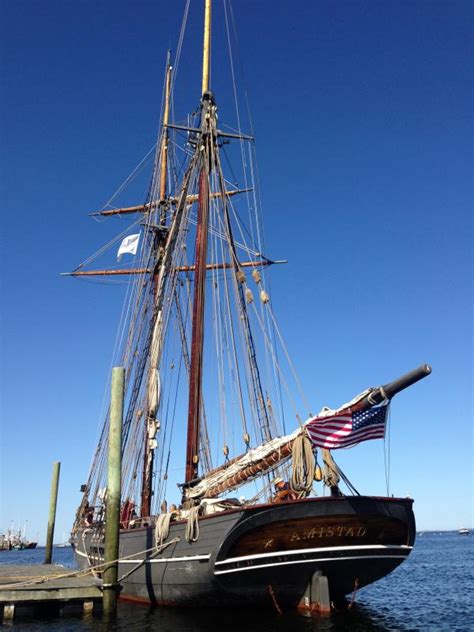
44	587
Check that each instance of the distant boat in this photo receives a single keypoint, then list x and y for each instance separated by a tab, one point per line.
64	544
29	545
463	531
21	544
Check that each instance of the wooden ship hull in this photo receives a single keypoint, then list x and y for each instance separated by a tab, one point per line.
263	553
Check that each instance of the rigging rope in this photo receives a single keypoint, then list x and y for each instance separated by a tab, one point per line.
129	178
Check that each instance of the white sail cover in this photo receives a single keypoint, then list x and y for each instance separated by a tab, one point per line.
328	412
252	457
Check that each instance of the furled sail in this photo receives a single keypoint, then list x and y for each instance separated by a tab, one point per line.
244	468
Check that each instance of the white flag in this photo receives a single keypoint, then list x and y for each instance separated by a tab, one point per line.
128	245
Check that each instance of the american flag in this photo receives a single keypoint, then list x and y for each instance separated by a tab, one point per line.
348	428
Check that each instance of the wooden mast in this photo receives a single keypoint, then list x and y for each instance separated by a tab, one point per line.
164	142
197	340
150	422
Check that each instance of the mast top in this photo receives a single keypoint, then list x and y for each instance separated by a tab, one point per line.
206	53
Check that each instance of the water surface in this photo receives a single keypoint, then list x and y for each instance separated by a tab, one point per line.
431	591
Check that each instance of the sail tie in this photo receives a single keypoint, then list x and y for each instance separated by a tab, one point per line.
380	390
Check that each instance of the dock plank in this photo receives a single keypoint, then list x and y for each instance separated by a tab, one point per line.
51	585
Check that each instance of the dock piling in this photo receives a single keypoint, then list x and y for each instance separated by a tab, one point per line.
112	511
52	513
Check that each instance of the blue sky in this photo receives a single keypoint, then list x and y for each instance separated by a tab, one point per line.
362	112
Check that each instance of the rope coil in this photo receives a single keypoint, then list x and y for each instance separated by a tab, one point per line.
162	528
302	473
192	526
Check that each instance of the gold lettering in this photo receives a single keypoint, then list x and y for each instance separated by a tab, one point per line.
323	532
268	543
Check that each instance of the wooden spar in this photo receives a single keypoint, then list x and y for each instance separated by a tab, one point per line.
164	142
139	208
145	208
221	266
195	379
106	272
206	51
208	125
190	199
209	266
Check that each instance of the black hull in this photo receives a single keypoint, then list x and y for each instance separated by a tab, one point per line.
246	555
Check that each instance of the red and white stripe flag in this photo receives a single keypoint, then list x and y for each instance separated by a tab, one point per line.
347	428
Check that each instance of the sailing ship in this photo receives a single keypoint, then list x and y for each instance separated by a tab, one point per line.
199	347
463	531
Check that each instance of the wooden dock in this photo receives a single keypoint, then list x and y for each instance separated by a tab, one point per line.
45	587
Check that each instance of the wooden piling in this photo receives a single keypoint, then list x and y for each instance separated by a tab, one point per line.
112	512
52	513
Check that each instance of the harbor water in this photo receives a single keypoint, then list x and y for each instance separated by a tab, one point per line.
432	590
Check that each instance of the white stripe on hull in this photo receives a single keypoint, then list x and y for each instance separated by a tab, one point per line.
321	559
360	547
185	558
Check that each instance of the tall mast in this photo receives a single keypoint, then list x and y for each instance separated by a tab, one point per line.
151	424
197	341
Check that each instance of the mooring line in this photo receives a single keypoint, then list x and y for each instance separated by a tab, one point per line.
90	570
